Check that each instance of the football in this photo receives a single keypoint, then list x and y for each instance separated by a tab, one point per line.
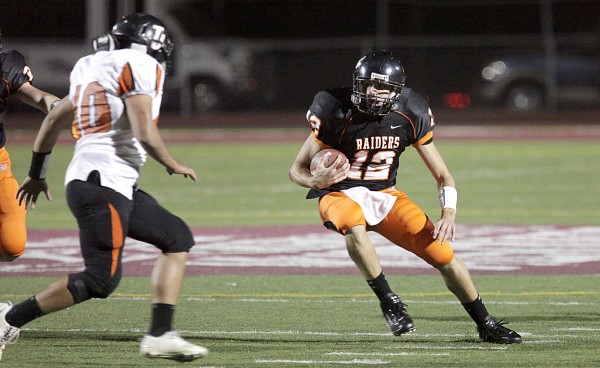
329	154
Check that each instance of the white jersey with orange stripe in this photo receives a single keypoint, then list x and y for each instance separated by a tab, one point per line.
100	83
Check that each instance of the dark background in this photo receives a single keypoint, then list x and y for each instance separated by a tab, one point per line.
315	19
443	44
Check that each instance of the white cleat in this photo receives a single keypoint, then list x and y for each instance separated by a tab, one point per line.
8	333
171	346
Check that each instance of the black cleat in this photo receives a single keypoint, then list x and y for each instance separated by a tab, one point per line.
494	331
396	316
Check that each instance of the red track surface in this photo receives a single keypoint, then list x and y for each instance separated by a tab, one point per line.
314	250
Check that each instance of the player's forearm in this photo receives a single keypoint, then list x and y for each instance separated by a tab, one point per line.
301	175
156	148
58	119
36	98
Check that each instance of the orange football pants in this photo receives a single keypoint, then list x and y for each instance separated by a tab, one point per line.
406	225
13	231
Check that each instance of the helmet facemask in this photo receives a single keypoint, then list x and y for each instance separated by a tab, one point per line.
368	98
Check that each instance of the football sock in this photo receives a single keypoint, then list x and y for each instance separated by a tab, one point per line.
24	312
380	286
477	310
162	319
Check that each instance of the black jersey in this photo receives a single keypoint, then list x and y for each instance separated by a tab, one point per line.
373	144
14	73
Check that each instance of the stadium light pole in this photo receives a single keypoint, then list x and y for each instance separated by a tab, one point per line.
549	41
96	18
383	24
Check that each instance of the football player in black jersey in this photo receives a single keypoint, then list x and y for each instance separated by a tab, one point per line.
372	124
16	79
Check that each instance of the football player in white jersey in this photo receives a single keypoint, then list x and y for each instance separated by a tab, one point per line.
113	109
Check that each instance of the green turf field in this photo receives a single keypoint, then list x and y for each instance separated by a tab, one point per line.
525	182
328	321
320	321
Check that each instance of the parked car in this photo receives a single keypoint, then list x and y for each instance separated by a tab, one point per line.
208	73
210	70
525	83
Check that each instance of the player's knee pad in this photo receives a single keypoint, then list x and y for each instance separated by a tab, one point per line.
180	238
13	249
7	257
84	286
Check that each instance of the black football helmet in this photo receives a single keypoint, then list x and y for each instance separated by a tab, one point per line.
138	31
384	71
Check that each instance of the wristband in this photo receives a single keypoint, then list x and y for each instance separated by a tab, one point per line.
448	197
39	165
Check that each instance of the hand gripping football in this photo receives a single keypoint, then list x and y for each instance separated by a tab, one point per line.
328	154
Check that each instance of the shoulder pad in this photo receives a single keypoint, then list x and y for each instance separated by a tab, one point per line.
331	103
13	59
413	101
14	69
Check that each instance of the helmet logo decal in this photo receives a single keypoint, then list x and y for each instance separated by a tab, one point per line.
158	37
141	32
382	77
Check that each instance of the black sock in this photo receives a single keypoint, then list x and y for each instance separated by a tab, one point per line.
380	286
24	312
162	319
477	310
